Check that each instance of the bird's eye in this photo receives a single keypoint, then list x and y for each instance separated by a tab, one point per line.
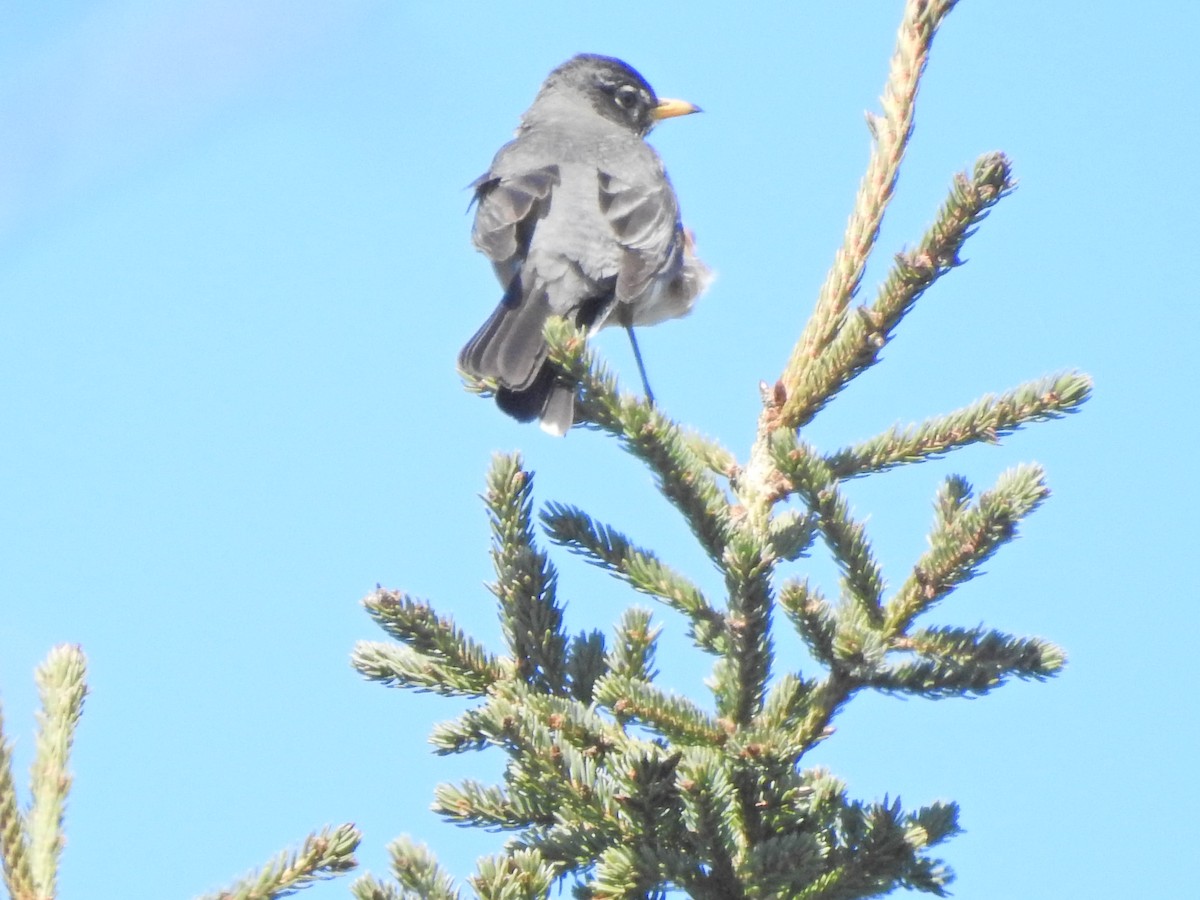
626	96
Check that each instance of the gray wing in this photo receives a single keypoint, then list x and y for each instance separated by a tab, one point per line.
509	346
645	221
509	208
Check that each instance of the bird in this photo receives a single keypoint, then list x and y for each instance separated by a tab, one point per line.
579	219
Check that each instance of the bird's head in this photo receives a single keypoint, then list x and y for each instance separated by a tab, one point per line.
614	90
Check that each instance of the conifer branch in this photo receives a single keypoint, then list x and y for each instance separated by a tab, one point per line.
14	841
647	796
714	457
622	873
859	341
953	496
813	617
526	581
827	698
951	662
519	725
574	842
587	662
672	716
938	822
492	724
61	686
553	769
859	644
847	640
30	844
987	419
604	546
397	666
891	131
416	870
791	533
555	747
520	875
682	477
632	806
557	721
960	543
521	722
748	569
789	848
783	706
878	849
784	865
632	655
647	789
813	480
368	887
486	805
323	855
469	731
972	196
713	816
440	654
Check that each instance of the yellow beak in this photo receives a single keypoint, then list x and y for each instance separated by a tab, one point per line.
668	109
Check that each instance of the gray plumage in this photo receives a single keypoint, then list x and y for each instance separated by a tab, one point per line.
579	219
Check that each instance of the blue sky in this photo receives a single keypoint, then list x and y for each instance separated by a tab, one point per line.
235	271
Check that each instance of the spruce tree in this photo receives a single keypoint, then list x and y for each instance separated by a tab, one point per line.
621	789
614	785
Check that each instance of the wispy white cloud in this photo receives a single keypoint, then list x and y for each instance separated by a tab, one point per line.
106	89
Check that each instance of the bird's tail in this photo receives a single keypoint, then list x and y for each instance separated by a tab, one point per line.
547	399
510	348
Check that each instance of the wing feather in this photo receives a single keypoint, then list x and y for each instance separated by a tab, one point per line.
645	221
509	207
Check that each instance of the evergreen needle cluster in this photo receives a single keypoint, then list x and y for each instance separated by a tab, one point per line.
625	790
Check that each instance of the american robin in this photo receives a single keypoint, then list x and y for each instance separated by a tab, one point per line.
579	219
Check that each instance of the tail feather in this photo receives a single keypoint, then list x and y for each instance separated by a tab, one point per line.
558	409
547	399
510	346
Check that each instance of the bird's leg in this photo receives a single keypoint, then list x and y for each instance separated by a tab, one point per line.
637	355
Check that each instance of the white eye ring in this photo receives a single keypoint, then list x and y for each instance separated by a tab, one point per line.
626	96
